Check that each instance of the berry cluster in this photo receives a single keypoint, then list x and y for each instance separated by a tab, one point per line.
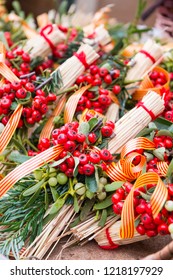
158	78
162	224
35	102
98	100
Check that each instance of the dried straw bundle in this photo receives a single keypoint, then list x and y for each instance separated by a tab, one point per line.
143	62
38	45
74	66
101	37
114	229
52	233
135	120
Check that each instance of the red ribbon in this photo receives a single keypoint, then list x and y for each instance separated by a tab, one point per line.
46	31
112	244
82	58
141	104
148	55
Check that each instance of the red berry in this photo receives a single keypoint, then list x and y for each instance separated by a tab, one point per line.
103	72
26	57
105	155
94	69
80	138
106	131
70	162
70	146
116	197
45	142
140	229
116	89
170	189
16	85
83	159
5	103
146	219
110	123
62	138
151	233
36	116
159	219
92	137
117	208
69	172
163	229
88	169
21	93
94	158
108	79
63	167
141	208
55	133
168	143
30	87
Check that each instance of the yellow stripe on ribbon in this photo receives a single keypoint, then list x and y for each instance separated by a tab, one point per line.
162	167
72	102
28	166
157	201
49	125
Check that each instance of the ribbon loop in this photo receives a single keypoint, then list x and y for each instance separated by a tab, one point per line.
46	31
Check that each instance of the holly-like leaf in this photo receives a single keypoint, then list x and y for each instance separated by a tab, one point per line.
91	183
170	169
17	157
33	189
57	206
113	186
159	153
103	204
84	128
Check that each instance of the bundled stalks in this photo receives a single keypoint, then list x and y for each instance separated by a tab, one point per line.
103	241
42	44
143	62
51	233
135	120
76	65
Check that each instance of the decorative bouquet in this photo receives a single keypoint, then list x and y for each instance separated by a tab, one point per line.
86	138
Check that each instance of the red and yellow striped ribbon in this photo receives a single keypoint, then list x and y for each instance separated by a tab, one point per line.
49	125
162	167
27	167
135	144
124	169
10	128
12	124
72	102
157	201
147	85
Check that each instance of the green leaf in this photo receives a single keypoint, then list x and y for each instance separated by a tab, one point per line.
92	123
162	123
103	204
145	196
76	205
165	132
171	128
86	208
17	157
58	162
95	88
113	186
46	199
13	106
84	128
55	195
103	218
145	131
25	100
159	153
170	169
57	206
75	170
34	188
32	199
91	183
